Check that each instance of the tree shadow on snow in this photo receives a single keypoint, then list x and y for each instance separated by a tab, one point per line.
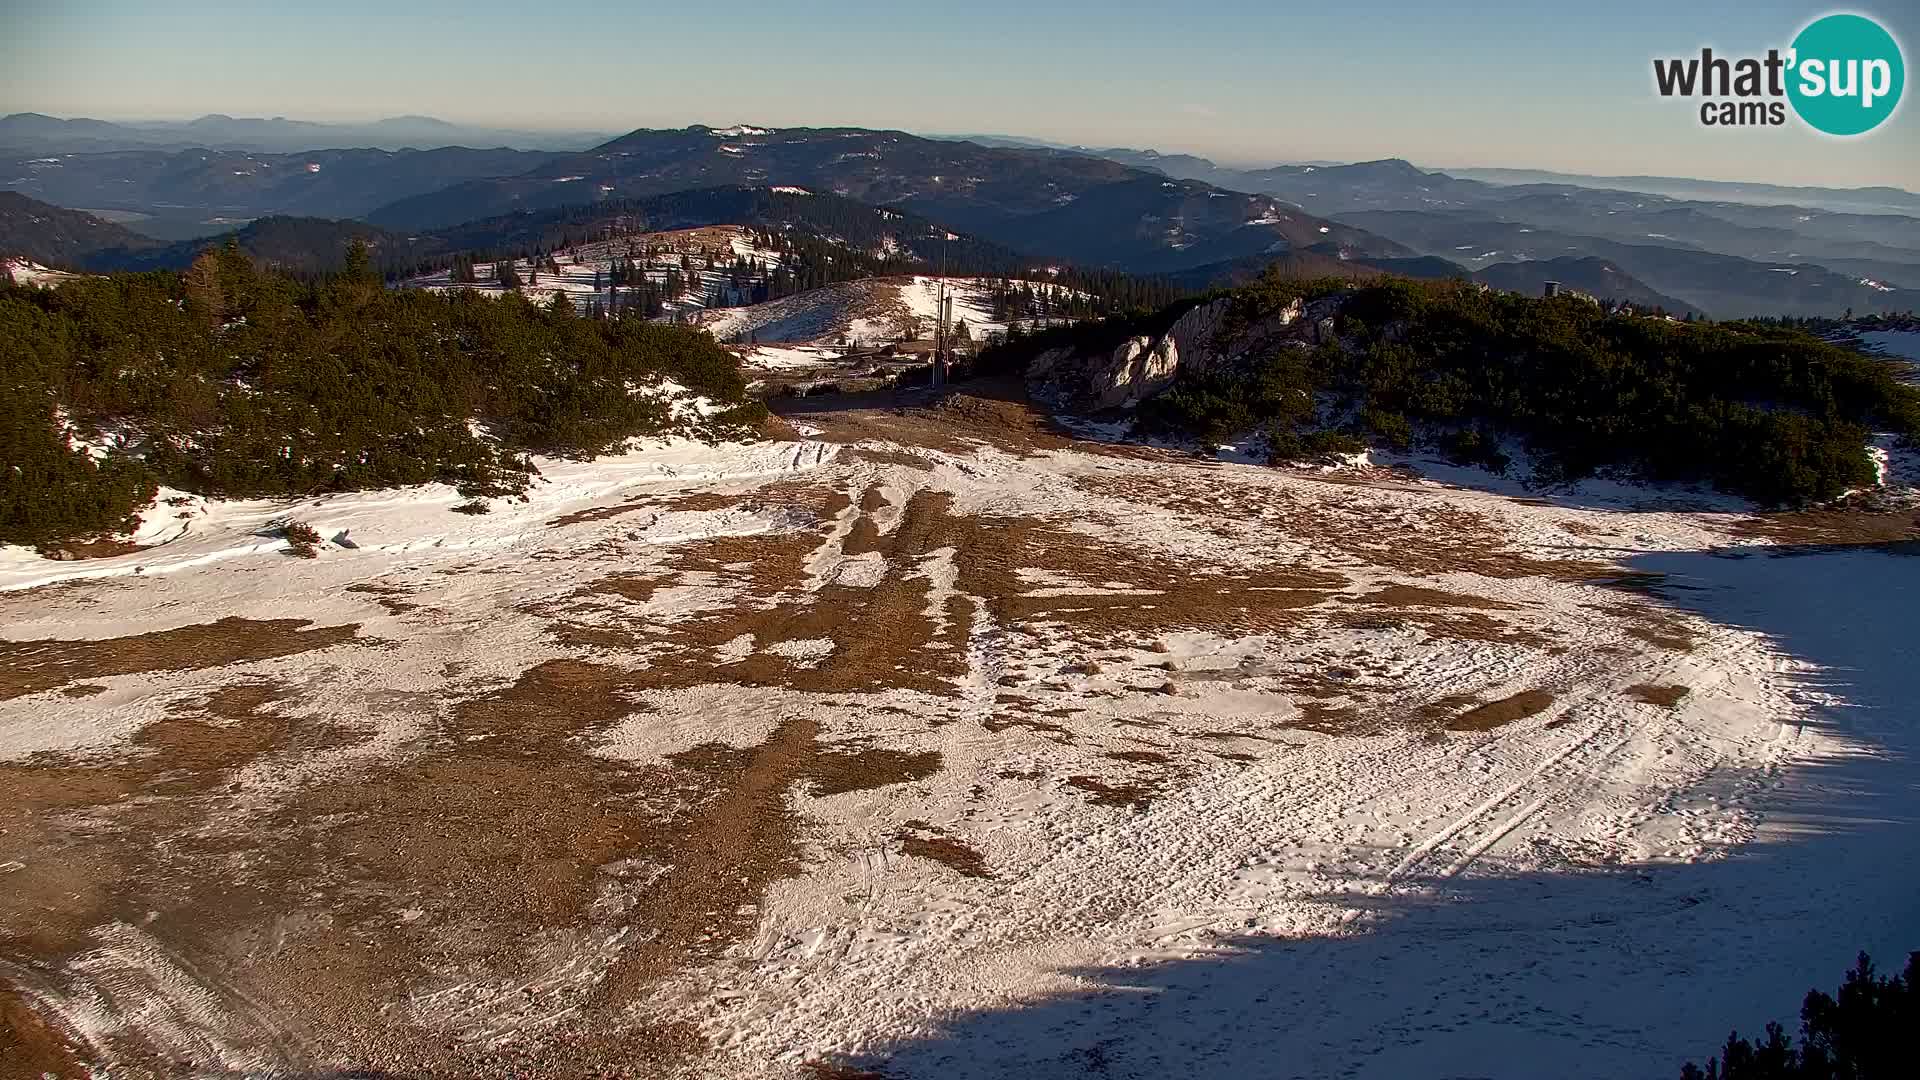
1577	971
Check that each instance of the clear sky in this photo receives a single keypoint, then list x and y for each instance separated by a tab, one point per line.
1525	83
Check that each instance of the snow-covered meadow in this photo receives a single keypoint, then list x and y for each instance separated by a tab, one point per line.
941	744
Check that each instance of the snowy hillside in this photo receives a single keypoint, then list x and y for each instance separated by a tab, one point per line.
25	272
869	312
701	256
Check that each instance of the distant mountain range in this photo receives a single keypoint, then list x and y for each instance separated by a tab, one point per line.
1726	258
37	133
247	183
868	234
1083	208
1725	286
1871	200
872	235
1139	211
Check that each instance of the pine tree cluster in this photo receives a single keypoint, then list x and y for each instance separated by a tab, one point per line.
1763	411
232	380
1870	1030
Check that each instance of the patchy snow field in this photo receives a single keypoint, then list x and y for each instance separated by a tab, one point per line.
588	263
867	312
942	745
26	272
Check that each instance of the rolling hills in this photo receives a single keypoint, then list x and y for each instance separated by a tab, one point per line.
1081	208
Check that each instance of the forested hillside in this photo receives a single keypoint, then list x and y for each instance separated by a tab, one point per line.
1762	411
56	236
302	246
232	380
821	240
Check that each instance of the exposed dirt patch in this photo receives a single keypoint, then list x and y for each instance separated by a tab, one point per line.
1504	711
691	501
835	773
30	1047
29	667
399	878
600	513
880	456
925	841
864	538
1441	710
1458	626
1668	695
1832	527
104	548
957	421
1403	596
1135	793
632	586
1665	633
387	596
1361	524
1003	720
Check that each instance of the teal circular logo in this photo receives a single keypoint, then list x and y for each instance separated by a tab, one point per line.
1847	74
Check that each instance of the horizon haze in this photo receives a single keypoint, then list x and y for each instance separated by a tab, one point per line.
1505	86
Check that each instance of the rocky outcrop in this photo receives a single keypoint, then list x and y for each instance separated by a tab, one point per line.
1095	380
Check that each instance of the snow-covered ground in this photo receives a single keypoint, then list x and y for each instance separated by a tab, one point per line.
789	357
868	312
975	753
1902	343
27	272
589	264
182	532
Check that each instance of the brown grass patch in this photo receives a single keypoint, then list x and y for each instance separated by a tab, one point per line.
599	513
1115	793
1823	528
1663	633
1002	721
1458	626
30	1047
691	501
504	836
29	667
925	841
1442	709
387	596
1357	523
1400	596
1504	711
878	456
638	588
836	773
1667	694
103	548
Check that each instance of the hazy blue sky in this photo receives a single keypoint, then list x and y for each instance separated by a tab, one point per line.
1495	82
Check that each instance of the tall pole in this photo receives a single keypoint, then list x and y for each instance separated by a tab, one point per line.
940	316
